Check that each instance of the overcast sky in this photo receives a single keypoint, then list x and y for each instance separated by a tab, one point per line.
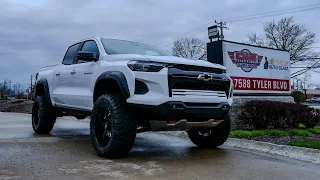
36	33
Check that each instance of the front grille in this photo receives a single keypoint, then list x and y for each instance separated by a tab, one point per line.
184	67
195	84
178	80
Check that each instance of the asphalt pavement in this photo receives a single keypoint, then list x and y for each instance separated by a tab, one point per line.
67	153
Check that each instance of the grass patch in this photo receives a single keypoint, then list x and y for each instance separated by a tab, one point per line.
315	144
300	132
314	130
255	133
274	132
241	134
301	126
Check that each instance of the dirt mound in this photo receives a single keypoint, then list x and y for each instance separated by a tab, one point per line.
18	107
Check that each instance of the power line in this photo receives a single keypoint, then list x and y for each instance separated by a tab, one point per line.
267	14
314	66
300	8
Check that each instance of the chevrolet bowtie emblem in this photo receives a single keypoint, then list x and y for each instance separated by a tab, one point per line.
205	77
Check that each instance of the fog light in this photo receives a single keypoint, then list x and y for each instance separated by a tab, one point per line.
140	87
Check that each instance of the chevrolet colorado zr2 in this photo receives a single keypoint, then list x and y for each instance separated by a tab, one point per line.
128	87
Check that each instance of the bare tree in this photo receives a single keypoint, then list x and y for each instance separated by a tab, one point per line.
302	82
286	35
192	48
306	81
4	88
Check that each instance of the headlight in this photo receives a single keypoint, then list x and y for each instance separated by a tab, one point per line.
146	66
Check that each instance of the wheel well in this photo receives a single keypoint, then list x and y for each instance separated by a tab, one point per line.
105	86
39	90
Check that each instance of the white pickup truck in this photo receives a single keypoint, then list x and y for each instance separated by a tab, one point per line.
128	87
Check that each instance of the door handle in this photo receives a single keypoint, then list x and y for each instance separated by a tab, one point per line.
57	74
72	72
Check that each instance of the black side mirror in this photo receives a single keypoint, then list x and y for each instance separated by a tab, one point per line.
87	56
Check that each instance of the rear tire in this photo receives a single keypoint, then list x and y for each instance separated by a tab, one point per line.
215	137
43	115
112	128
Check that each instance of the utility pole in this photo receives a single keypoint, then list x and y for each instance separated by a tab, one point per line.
221	25
31	86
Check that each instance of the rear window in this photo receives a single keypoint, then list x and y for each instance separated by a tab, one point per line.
70	54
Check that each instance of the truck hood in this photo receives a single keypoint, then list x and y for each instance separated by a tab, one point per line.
164	59
179	60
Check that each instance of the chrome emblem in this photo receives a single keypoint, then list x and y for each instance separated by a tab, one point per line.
205	77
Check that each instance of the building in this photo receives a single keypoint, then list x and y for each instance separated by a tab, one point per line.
312	93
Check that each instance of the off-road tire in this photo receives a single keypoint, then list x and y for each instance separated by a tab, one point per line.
43	115
217	136
123	130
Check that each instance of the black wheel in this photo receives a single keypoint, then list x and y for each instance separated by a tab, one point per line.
112	128
43	115
211	137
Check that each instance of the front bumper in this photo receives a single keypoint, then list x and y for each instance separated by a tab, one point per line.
176	110
161	89
175	94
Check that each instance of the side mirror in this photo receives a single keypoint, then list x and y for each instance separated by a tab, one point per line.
87	56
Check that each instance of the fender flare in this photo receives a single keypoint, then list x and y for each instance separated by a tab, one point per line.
119	77
44	83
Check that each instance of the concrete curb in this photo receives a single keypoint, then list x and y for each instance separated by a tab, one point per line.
299	153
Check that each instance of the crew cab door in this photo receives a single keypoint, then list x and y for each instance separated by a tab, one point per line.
82	79
62	84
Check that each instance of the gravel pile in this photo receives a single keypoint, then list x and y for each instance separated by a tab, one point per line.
22	107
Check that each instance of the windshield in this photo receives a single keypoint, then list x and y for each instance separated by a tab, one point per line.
114	46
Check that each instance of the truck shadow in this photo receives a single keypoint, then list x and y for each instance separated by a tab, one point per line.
148	145
159	146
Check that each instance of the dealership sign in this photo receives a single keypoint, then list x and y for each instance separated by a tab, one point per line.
245	59
253	69
260	84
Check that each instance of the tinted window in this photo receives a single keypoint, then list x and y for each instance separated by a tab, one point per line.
71	54
114	46
90	46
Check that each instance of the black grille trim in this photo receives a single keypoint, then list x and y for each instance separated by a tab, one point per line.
178	79
184	67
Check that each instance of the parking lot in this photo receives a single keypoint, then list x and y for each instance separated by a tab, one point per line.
67	154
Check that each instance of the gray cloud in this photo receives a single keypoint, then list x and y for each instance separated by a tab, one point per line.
36	33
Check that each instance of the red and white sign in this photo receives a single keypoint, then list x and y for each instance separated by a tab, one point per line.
246	83
257	70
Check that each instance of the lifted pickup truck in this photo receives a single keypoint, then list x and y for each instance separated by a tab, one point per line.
128	87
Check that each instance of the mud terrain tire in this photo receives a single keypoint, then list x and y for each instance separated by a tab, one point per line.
215	137
112	128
